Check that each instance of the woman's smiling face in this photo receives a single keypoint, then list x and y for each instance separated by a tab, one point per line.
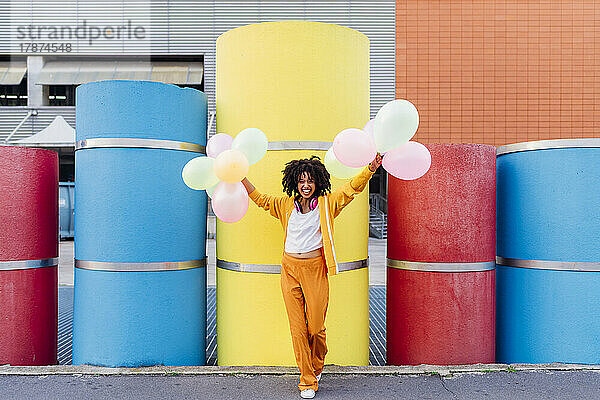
306	185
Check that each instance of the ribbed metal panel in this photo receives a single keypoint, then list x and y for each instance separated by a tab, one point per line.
191	27
376	19
11	116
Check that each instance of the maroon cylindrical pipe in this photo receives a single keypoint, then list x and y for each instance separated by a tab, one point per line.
441	253
28	256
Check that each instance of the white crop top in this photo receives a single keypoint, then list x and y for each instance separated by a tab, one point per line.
303	232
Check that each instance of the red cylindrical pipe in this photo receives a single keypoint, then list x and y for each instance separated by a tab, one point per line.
28	231
447	216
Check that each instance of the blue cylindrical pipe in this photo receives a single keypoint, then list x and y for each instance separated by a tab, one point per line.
132	208
548	273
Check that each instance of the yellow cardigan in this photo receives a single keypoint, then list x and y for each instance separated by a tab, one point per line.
330	207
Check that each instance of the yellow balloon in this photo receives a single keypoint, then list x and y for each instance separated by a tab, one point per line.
231	166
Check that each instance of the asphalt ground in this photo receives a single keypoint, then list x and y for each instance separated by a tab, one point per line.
503	385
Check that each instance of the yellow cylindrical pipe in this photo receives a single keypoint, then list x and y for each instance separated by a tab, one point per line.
297	81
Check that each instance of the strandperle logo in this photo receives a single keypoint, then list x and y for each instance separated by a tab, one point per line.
83	31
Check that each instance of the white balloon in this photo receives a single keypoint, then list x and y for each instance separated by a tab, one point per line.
253	143
395	124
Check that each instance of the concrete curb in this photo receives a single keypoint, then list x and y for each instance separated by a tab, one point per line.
442	370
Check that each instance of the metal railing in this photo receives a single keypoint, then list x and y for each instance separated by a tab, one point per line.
377	216
378	201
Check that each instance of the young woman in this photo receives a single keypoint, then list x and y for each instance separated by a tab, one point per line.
307	214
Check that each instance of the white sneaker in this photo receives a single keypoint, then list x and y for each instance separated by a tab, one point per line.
307	394
319	377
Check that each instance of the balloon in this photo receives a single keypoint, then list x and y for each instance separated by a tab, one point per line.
353	148
210	191
368	128
199	173
338	169
231	166
230	201
217	144
253	143
408	162
395	124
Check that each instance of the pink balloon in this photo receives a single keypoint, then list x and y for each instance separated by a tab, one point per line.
409	161
368	128
217	144
353	148
230	201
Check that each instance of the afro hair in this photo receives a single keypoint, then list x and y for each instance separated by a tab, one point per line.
314	168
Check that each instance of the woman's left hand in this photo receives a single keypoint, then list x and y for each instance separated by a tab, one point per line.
376	162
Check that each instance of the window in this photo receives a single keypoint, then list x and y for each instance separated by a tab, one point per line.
61	95
14	95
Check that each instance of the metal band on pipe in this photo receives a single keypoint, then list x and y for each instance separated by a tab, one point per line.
352	265
245	267
441	267
299	145
276	269
550	265
548	144
28	264
139	144
140	267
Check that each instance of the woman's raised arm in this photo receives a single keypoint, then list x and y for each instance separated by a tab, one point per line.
345	194
249	186
274	204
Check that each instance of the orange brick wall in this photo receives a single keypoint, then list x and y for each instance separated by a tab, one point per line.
499	72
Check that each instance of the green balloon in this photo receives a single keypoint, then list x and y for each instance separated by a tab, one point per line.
394	125
253	143
337	169
211	190
199	173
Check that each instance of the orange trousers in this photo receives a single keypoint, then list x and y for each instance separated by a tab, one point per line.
305	289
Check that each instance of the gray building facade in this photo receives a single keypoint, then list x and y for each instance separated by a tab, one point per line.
171	40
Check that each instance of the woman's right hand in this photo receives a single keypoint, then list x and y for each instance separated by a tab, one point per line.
249	186
376	162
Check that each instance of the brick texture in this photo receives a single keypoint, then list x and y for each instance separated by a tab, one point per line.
499	72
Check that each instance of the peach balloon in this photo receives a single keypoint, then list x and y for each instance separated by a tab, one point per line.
231	166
